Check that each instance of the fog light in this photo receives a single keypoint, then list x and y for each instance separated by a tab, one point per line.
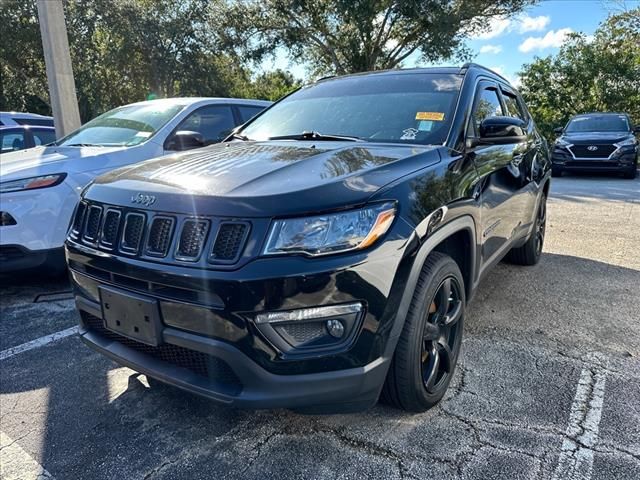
308	313
335	328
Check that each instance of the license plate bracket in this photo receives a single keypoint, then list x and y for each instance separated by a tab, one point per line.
131	315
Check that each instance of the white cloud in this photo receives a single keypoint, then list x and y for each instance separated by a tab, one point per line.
491	49
497	26
551	39
521	24
532	24
513	80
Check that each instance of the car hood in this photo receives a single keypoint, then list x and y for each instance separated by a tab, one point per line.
595	137
49	159
263	178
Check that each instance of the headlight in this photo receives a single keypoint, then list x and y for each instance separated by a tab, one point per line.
331	233
32	183
563	143
629	142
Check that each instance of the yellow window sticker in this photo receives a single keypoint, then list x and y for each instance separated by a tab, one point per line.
433	116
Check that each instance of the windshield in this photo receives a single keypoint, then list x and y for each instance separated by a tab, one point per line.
599	123
400	108
124	126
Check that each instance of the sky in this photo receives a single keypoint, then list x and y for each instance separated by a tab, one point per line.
509	43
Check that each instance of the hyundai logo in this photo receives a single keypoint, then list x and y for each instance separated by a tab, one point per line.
143	199
592	148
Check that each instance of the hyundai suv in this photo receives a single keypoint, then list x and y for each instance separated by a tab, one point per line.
597	142
325	253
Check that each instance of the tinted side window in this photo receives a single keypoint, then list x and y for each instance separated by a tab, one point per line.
513	106
247	113
214	123
11	141
34	121
487	105
42	137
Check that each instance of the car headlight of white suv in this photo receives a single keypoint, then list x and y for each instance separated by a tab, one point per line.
32	183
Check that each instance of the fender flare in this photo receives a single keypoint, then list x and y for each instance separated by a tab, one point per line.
464	223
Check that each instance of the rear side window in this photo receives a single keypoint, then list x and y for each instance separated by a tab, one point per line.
12	141
487	105
40	122
247	112
43	137
512	106
214	122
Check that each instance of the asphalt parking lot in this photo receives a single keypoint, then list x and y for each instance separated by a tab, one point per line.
548	385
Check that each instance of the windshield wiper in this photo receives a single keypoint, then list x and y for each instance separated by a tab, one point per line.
238	136
316	136
82	145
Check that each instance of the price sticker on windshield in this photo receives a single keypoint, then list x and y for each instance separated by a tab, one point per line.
432	116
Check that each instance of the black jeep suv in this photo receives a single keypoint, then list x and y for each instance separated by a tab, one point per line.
597	142
326	252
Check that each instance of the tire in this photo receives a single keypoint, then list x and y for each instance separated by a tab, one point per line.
556	172
530	252
422	367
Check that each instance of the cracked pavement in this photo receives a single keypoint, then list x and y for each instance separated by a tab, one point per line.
548	384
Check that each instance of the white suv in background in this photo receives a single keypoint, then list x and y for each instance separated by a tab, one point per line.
39	187
12	119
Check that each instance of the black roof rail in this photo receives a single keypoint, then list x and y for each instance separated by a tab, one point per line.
469	65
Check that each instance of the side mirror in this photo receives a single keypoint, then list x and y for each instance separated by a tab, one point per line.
558	130
636	129
184	140
502	130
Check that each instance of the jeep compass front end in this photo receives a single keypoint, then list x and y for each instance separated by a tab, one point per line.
325	250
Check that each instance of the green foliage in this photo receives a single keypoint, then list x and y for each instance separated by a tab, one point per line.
124	51
345	36
587	75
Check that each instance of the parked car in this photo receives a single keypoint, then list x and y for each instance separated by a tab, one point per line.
19	118
39	187
596	142
21	137
326	253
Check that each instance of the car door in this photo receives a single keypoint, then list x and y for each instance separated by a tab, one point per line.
213	122
525	161
499	179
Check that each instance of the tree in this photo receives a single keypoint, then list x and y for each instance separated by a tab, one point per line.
587	75
345	36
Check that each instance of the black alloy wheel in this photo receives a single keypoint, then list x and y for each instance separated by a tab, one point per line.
440	340
427	352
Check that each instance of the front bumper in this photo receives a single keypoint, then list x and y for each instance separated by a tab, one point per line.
14	258
212	346
619	163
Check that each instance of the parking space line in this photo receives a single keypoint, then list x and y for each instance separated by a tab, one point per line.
38	342
17	464
576	456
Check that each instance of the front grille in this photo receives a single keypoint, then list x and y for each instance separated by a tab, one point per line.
601	151
92	226
230	238
110	228
199	363
194	233
132	234
160	236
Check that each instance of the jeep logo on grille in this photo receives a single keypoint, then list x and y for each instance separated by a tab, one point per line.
592	148
143	199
